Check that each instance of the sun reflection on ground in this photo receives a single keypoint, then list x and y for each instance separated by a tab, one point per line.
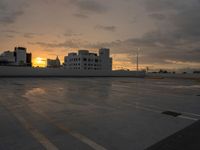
35	92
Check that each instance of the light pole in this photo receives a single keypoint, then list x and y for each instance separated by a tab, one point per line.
138	59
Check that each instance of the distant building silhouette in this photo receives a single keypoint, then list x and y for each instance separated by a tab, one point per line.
18	57
53	63
85	60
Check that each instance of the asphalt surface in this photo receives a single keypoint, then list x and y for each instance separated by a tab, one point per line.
186	139
99	114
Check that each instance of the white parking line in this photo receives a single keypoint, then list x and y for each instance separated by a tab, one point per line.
155	109
75	134
34	132
189	118
81	137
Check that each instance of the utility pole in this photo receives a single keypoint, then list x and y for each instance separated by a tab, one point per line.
138	59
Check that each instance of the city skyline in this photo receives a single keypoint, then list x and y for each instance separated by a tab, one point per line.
166	31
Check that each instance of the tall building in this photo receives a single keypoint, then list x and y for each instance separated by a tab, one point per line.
106	60
20	55
29	59
85	60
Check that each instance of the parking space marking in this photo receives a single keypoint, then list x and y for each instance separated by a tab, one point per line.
75	134
44	141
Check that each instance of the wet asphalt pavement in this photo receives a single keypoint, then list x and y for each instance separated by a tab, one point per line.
95	113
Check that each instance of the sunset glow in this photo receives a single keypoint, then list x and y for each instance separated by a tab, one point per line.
167	37
39	62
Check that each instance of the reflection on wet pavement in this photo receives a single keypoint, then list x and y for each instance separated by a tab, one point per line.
96	113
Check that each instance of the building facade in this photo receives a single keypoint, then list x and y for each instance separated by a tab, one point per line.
84	60
7	58
53	63
18	57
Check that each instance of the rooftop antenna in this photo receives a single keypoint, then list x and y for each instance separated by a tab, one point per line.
138	59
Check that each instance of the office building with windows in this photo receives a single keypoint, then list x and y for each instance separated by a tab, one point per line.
84	60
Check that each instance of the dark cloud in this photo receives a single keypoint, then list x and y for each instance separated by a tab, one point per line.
13	33
177	31
71	43
78	43
89	6
176	34
9	36
82	16
86	8
106	28
10	31
31	35
157	16
165	5
70	33
10	11
8	18
151	53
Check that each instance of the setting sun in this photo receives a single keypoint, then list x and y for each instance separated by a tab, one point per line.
39	62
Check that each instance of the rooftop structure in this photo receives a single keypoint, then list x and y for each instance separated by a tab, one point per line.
84	60
7	57
18	57
53	63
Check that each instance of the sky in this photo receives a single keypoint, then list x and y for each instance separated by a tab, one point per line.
166	31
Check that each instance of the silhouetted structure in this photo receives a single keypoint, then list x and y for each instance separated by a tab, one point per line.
18	57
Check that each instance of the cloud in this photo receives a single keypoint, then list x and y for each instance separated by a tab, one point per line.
31	35
85	8
71	43
158	16
150	53
176	32
89	6
12	33
106	28
69	33
165	5
10	11
81	16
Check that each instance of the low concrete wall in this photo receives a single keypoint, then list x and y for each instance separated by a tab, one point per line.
175	76
6	71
